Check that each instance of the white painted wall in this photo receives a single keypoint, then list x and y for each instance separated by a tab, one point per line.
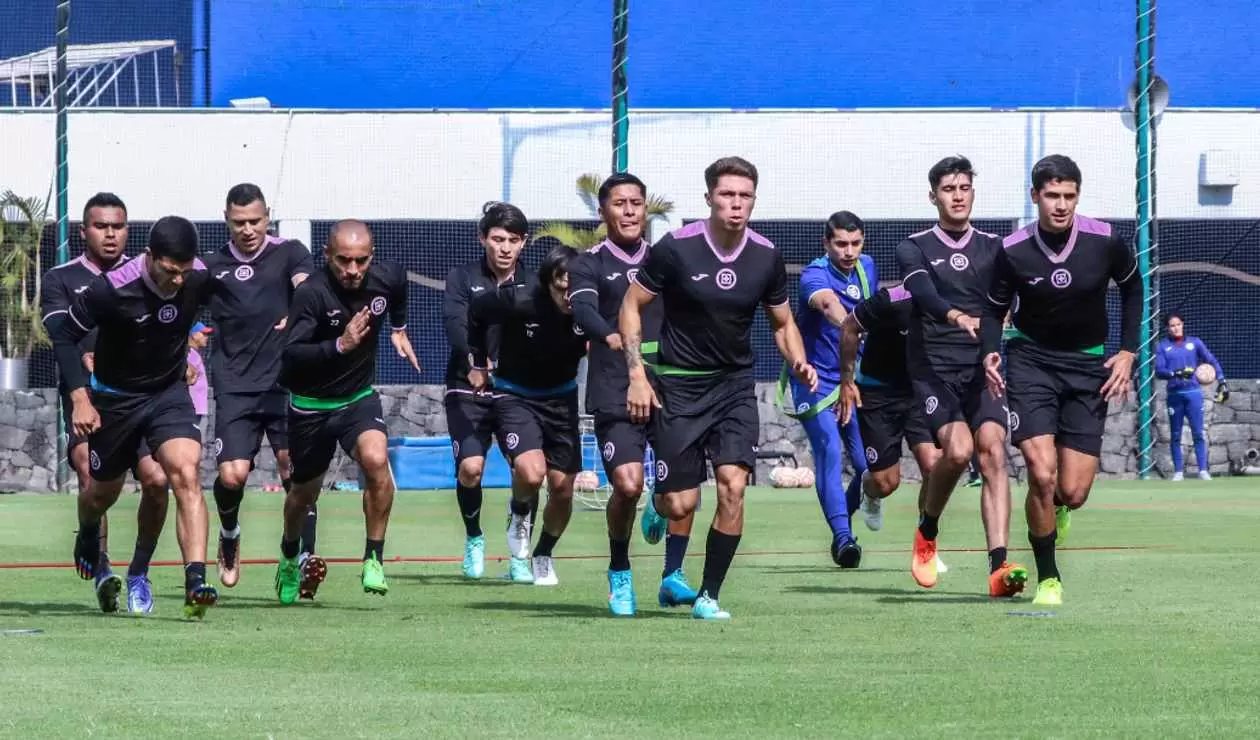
412	165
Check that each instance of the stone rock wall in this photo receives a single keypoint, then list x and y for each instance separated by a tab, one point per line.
28	436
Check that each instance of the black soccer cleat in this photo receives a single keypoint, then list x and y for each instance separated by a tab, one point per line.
848	555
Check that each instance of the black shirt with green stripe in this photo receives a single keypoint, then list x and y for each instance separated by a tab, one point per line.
313	367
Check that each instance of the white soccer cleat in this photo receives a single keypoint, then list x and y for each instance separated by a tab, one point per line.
940	565
872	507
519	531
1178	476
545	571
1205	475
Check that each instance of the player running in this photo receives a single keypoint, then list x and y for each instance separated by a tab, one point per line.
1056	271
144	311
1176	359
329	366
104	231
830	287
712	276
597	286
537	409
470	416
254	275
881	388
948	270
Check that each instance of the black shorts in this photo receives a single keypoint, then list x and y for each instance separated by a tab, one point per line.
314	435
241	419
620	440
547	424
713	417
471	423
74	440
1056	392
128	421
950	392
888	416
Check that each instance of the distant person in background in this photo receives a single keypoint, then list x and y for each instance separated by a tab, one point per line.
198	385
1176	359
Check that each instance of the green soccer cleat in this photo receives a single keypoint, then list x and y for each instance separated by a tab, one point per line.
1062	524
288	580
374	577
1049	593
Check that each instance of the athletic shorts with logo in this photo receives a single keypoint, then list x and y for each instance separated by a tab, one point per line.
703	417
620	440
953	391
1056	392
74	440
315	434
889	415
471	422
130	422
548	423
241	420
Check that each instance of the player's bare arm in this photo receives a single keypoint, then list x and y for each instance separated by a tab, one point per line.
850	339
788	339
827	303
640	398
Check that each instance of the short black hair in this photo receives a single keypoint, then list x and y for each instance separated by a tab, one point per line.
620	178
244	194
173	237
1172	316
1055	167
499	215
843	221
103	200
737	166
555	263
955	165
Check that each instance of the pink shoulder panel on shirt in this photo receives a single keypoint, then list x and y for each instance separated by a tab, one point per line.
1088	225
1019	236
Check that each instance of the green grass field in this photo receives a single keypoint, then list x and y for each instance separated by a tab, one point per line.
1158	637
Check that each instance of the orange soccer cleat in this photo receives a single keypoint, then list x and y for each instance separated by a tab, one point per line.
1007	581
923	560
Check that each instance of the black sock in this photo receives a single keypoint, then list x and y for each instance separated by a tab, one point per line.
228	501
194	575
547	543
308	530
675	551
997	556
286	484
1043	553
521	508
620	550
469	499
928	525
289	548
533	511
719	551
374	549
140	559
1057	501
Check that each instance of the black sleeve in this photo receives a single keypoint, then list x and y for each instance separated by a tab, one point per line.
659	269
584	297
397	297
1002	291
54	299
300	346
455	311
776	293
67	330
486	310
871	312
1124	271
918	281
301	261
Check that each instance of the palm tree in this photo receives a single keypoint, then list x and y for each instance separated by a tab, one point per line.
583	239
22	222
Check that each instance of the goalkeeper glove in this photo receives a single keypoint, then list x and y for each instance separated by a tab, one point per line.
1222	392
1184	373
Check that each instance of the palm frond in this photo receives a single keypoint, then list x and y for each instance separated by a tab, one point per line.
658	206
588	190
570	235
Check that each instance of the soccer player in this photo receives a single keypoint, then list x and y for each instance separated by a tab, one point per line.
104	231
597	287
948	270
712	276
255	275
537	409
1056	271
329	366
144	311
1176	359
470	417
830	287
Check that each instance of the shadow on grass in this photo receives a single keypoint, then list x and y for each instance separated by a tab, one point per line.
819	569
897	595
589	611
448	579
48	609
232	601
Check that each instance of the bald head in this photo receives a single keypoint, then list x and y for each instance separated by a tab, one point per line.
349	252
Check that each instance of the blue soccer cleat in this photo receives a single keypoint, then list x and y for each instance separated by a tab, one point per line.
139	595
675	591
652	524
621	601
108	587
707	608
474	556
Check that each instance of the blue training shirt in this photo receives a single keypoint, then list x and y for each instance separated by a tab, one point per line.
1189	352
822	339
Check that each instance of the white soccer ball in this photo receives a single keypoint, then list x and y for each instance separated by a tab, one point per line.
782	477
1205	374
586	481
804	478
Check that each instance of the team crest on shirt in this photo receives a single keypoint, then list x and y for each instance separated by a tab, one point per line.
1189	345
871	455
609	450
244	272
631	274
94	460
218	446
853	292
802	407
377	307
1061	278
1012	420
578	330
930	405
512	440
662	470
725	278
168	313
959	262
